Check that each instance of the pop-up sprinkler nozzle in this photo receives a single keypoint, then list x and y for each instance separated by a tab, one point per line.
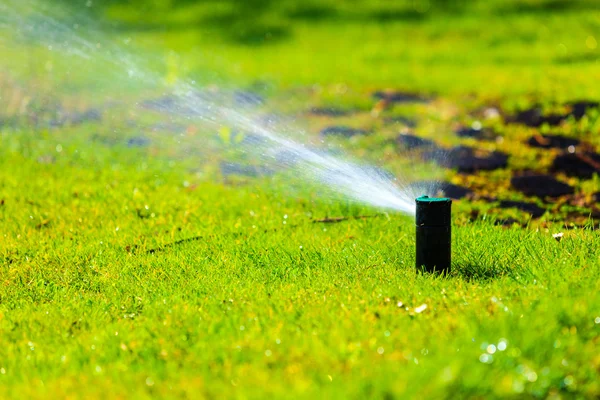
433	234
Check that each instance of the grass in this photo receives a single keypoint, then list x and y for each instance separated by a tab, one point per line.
257	307
140	271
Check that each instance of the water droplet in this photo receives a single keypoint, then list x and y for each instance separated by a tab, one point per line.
149	381
491	349
59	148
421	308
502	344
380	350
268	353
486	358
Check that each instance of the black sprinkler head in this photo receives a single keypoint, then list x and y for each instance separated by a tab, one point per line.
433	234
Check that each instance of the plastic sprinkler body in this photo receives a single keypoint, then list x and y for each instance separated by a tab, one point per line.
433	234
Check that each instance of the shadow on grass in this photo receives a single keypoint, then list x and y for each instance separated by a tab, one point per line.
263	22
491	254
471	271
547	6
246	25
398	15
580	58
312	12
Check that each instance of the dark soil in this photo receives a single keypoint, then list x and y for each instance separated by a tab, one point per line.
228	169
582	165
530	208
534	117
138	141
344	131
394	96
329	112
411	123
469	160
161	103
581	107
541	186
91	115
480	134
509	222
552	141
410	142
61	118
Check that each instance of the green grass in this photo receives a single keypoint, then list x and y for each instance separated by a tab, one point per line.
256	307
142	272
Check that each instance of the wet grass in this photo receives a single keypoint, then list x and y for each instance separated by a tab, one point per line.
134	267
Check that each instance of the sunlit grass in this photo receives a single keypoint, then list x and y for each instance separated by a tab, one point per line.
141	270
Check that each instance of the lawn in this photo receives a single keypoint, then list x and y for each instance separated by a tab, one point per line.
145	253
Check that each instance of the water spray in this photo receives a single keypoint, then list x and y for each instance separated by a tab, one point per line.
434	242
278	144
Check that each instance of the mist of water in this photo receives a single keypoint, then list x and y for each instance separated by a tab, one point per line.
272	141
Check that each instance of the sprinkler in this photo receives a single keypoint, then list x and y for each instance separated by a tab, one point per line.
433	234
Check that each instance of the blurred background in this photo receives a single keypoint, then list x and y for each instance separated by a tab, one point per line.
492	47
449	86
